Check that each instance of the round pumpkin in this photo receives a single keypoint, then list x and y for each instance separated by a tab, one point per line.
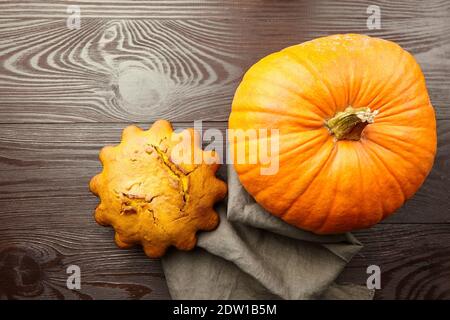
357	131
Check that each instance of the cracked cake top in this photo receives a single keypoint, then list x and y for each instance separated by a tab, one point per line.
157	188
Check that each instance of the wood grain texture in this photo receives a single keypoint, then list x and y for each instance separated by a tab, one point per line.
414	261
33	263
181	70
188	9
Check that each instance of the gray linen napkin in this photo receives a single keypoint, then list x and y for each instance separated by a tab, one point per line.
254	255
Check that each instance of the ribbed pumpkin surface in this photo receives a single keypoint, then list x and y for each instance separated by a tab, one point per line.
327	184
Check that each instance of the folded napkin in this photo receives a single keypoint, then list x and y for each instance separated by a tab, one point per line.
254	255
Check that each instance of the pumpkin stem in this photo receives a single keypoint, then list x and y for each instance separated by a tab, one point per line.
349	124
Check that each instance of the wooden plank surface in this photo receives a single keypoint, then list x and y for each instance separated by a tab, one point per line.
66	93
181	70
249	9
414	260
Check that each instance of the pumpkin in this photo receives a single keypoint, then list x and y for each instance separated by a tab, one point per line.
357	131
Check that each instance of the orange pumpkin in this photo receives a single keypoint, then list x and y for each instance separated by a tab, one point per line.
357	131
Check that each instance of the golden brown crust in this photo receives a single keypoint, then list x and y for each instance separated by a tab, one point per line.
151	195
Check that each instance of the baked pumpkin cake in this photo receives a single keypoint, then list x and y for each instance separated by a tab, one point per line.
153	193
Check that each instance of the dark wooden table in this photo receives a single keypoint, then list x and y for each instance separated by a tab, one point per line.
65	93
